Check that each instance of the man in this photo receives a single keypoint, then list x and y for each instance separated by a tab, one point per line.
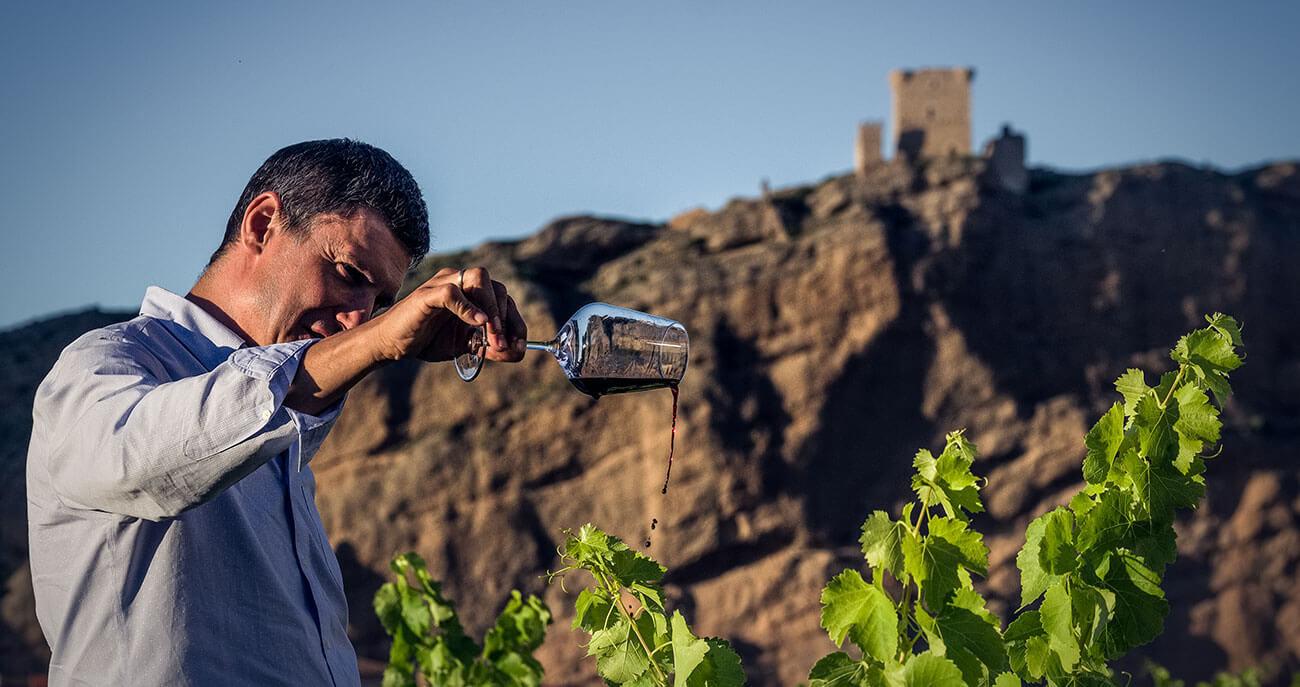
173	529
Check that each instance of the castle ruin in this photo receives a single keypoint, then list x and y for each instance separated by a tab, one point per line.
931	116
931	119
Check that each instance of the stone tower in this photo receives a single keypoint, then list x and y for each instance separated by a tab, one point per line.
1006	166
867	150
931	112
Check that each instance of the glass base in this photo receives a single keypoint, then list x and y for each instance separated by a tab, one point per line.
468	365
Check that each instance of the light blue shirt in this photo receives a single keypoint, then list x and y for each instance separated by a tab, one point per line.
173	528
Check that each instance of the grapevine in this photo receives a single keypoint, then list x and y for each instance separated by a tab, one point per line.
1090	573
427	635
635	643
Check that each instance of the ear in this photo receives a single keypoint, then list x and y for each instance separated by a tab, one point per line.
262	218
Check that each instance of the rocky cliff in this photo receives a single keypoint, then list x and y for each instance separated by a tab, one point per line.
836	328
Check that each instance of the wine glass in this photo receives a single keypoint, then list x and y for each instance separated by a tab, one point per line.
605	349
469	363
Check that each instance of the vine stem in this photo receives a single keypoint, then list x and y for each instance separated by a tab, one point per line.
1181	369
614	590
904	603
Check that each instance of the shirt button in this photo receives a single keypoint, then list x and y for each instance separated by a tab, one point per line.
266	415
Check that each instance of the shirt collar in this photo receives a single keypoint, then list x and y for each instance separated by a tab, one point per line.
199	332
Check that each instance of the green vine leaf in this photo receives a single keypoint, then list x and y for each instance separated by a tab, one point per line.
1087	679
1154	544
971	637
1132	385
1007	680
594	612
1155	429
416	614
1197	419
882	543
947	481
852	607
1209	355
702	662
974	555
618	658
1162	487
940	562
1057	553
838	670
1106	524
1028	648
591	547
1103	443
1034	579
1140	605
1057	617
931	670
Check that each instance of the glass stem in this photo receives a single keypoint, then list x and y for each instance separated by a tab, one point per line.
548	346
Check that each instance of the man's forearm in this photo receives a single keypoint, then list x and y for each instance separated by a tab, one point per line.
330	367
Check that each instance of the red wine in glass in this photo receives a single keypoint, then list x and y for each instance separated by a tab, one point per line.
604	349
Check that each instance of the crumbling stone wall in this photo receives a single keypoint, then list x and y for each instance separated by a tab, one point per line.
1006	156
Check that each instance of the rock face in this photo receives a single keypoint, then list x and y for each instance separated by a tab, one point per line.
835	329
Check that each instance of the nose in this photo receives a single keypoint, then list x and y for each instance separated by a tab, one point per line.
352	317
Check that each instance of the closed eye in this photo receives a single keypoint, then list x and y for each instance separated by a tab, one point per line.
353	275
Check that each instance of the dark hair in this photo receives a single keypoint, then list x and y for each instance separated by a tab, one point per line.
337	176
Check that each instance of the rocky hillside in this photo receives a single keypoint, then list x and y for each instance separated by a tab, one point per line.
836	328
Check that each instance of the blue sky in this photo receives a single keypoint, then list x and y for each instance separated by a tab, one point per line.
132	127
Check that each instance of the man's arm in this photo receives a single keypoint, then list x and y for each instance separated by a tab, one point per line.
432	323
113	433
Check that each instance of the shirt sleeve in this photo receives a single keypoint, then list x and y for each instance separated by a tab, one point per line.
116	438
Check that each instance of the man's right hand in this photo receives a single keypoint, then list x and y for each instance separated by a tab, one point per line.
434	322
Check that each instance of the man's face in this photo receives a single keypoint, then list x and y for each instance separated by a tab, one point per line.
330	278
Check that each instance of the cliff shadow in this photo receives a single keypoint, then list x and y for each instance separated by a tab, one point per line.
871	426
871	422
748	415
395	383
